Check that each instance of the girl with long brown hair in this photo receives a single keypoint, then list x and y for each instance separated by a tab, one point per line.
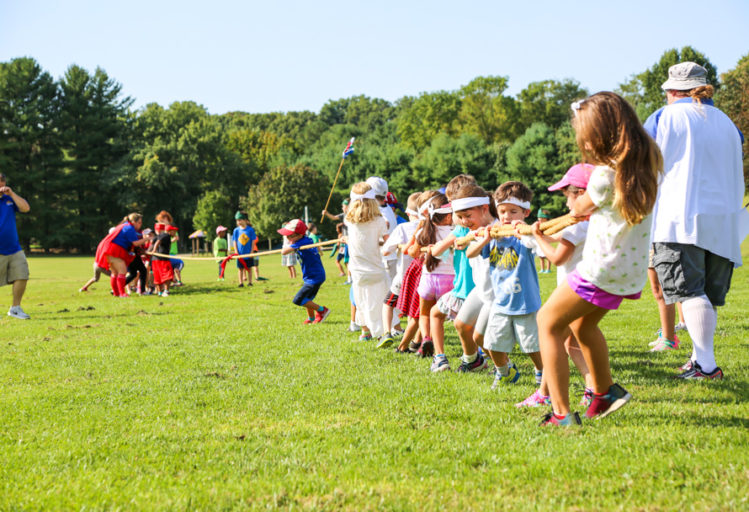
620	197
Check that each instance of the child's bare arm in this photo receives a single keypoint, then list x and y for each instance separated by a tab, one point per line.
442	245
558	255
287	250
583	206
475	249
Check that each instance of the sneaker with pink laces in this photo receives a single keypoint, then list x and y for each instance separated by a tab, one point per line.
664	344
535	400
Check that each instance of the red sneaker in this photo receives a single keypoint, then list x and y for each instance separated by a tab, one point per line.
321	315
308	321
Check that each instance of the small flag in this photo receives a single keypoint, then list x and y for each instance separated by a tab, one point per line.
349	148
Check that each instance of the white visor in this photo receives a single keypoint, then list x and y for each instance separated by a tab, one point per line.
526	205
468	202
369	194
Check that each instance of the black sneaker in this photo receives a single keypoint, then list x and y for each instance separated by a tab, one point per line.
414	347
696	373
476	366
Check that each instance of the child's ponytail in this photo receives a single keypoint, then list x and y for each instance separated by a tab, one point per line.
428	234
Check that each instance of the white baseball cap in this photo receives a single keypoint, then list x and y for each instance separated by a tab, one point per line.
379	185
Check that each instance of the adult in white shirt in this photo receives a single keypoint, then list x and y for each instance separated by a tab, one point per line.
696	216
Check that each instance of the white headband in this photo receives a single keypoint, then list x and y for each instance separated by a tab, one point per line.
369	194
409	211
468	202
526	205
445	208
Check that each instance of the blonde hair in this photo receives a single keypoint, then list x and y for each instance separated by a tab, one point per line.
362	210
609	133
134	217
413	201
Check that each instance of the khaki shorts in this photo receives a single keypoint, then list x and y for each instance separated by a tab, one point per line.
503	331
13	267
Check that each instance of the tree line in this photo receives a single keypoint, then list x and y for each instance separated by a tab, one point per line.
80	154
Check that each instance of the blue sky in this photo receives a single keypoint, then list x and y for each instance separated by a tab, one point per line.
296	55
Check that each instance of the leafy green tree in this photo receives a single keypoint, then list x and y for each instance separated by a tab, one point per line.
486	112
535	159
31	150
448	157
549	102
644	91
282	195
364	112
214	209
421	119
733	99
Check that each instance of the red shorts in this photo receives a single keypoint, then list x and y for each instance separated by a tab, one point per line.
162	271
115	251
408	299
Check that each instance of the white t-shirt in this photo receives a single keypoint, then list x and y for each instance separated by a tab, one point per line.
575	235
615	256
364	246
401	235
445	265
700	198
389	215
480	270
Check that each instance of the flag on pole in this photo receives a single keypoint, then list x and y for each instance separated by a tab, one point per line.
349	148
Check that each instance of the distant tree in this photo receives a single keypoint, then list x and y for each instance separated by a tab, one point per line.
31	150
447	157
364	112
644	91
486	112
282	195
549	102
214	209
733	99
421	119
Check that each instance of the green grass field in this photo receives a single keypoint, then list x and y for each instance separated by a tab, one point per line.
218	398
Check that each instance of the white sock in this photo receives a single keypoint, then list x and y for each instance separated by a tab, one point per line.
701	319
469	358
504	371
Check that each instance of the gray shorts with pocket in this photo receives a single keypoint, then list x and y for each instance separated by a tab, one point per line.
13	267
686	271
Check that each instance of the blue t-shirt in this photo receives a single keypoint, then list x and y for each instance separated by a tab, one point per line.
312	270
514	278
8	233
463	282
126	237
243	238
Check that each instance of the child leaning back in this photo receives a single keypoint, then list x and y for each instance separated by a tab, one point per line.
313	272
620	197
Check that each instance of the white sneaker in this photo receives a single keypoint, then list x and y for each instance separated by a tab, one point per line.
681	326
165	293
17	312
352	327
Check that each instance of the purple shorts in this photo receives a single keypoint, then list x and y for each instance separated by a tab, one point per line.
593	294
434	286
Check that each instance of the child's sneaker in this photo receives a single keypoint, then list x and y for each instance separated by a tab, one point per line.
535	400
308	321
476	366
414	347
696	373
440	364
366	336
539	377
687	366
571	420
352	327
17	312
587	398
165	293
614	399
426	349
511	378
385	341
321	315
664	344
681	326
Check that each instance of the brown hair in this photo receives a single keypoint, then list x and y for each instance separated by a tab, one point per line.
609	133
476	191
165	217
427	235
514	189
457	182
362	210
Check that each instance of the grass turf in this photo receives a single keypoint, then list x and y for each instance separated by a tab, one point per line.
218	398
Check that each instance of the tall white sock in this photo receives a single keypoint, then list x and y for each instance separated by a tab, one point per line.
701	319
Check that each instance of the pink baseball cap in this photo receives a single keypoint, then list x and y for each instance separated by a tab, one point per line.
577	175
292	227
220	228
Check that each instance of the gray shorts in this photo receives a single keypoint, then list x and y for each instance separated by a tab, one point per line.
503	331
687	271
98	271
13	267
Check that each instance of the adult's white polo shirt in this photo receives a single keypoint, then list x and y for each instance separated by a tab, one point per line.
699	198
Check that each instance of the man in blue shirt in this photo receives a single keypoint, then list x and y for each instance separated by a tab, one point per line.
14	269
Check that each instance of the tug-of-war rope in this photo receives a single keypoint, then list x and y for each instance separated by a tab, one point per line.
242	256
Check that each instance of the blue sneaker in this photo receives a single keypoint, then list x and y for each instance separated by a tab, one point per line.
439	364
511	378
